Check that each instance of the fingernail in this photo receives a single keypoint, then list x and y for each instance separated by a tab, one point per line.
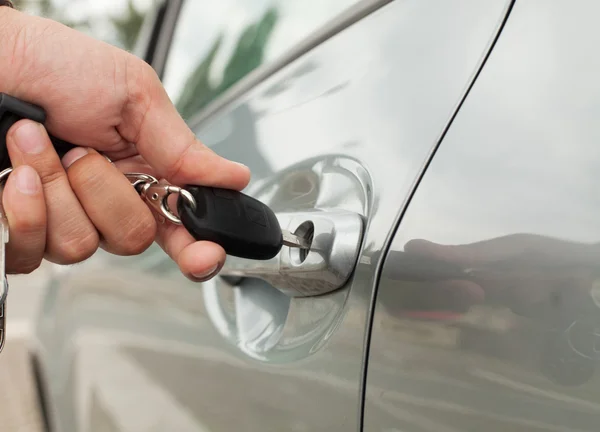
27	181
30	137
241	164
73	155
207	274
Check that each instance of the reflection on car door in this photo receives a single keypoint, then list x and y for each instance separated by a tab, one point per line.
487	313
345	127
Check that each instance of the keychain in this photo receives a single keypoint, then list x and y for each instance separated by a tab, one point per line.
242	225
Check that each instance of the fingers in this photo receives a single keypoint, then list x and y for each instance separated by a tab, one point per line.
71	236
198	261
124	221
166	142
23	201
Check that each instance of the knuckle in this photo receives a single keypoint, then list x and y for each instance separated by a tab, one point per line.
26	266
88	174
142	80
178	165
26	256
138	236
142	87
141	77
52	179
27	224
78	248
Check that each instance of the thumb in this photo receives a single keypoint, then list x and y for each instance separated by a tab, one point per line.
165	141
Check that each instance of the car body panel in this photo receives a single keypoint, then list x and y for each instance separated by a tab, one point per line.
499	332
215	45
129	344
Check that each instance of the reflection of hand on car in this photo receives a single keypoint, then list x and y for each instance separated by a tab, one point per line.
528	273
547	280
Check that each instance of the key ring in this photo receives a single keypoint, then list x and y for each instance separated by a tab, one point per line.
3	176
139	180
157	194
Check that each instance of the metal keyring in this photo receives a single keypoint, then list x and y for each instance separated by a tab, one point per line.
158	194
140	180
3	176
4	292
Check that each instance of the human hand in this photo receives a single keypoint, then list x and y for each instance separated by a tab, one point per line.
104	100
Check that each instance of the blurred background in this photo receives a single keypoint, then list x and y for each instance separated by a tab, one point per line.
117	22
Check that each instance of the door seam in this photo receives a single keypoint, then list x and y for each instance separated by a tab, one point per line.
390	237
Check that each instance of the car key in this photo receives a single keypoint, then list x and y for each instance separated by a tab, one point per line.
242	225
11	111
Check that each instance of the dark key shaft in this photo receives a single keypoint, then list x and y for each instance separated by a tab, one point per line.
242	225
11	111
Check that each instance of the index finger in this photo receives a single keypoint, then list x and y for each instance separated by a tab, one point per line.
168	145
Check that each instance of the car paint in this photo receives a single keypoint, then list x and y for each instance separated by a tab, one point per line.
215	45
129	344
515	178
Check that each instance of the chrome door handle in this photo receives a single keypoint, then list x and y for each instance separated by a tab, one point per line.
335	238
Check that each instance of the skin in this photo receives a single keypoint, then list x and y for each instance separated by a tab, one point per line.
104	100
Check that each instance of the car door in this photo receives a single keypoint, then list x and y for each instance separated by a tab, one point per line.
486	315
335	107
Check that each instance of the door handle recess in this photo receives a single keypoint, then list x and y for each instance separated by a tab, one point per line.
335	238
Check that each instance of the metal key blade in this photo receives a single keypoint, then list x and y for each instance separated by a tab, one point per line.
294	241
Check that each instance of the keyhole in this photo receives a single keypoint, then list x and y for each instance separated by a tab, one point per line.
306	230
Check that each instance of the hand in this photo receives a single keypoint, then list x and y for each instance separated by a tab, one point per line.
104	100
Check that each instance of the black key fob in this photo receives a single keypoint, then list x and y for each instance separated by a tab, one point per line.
11	111
242	225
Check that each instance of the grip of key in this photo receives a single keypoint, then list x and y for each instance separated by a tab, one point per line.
242	225
11	111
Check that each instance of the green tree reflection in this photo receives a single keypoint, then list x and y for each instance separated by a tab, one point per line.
247	56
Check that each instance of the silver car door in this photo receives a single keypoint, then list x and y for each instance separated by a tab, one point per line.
487	315
129	344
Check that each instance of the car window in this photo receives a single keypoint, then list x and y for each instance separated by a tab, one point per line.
216	44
